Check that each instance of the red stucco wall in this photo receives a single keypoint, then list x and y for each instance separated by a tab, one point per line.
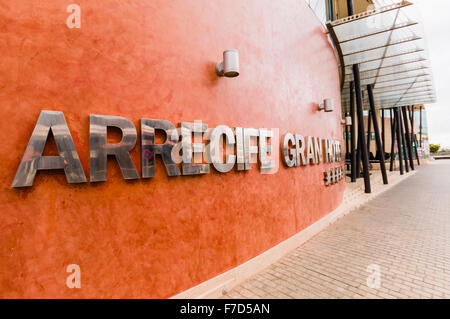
156	59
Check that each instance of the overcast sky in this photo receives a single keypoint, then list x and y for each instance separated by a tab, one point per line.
435	15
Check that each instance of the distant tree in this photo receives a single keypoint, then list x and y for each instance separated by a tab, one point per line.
434	148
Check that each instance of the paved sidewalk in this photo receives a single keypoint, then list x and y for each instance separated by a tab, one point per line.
405	232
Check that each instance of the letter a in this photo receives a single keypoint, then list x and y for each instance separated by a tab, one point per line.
74	279
74	20
32	160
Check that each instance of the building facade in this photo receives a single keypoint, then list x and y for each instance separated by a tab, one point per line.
159	236
134	155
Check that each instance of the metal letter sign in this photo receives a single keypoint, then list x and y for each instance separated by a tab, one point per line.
100	149
190	148
227	148
290	157
150	149
32	160
216	142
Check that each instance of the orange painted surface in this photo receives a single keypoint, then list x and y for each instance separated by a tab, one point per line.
155	59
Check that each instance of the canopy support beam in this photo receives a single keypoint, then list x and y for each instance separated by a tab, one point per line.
399	139
402	136
359	108
353	132
393	134
377	135
408	137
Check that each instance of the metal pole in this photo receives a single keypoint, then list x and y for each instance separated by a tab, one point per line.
414	135
420	128
353	132
408	137
393	133
377	134
369	123
411	118
399	139
402	135
391	120
359	110
383	137
358	158
347	141
391	116
415	148
350	9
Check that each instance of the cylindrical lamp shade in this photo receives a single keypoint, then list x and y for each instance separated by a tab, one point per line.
329	105
231	63
348	120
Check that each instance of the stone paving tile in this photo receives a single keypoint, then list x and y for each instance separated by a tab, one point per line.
404	232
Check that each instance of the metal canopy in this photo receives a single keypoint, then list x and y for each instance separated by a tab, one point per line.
388	45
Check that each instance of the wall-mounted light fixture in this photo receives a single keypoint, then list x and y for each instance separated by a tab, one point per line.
348	120
327	105
229	67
